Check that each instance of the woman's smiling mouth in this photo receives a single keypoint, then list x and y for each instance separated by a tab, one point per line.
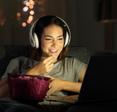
53	50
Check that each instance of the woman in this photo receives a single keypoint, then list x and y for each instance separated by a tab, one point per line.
50	36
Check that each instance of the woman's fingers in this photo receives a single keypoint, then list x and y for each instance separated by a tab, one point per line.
55	85
49	67
43	67
49	60
48	63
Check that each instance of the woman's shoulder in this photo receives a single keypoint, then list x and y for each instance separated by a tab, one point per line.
20	58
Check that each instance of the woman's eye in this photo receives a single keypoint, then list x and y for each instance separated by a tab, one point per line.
60	38
48	39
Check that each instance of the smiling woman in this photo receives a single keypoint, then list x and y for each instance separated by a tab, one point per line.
50	37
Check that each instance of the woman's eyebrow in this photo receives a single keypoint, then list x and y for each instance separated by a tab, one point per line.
48	36
60	36
52	36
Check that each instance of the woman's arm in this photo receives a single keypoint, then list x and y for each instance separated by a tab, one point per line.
76	86
82	72
58	84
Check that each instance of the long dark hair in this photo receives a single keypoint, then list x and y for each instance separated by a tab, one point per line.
42	23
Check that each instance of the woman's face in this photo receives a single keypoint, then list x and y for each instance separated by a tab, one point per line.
52	41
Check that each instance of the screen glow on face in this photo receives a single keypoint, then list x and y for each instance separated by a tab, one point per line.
52	41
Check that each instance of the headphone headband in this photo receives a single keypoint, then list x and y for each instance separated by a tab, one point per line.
34	39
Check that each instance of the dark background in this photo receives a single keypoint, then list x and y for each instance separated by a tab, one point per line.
81	16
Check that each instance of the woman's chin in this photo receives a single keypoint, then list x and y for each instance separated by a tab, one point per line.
54	56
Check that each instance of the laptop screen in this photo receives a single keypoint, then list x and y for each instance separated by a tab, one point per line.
100	82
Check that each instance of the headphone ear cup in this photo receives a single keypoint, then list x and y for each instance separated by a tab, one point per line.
36	41
67	40
32	42
33	38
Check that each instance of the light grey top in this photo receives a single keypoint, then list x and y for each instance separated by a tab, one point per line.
67	69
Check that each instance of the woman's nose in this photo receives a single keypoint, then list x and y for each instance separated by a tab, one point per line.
54	42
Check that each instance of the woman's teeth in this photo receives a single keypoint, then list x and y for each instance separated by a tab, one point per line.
53	50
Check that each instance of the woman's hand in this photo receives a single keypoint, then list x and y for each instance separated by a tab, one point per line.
59	85
43	67
55	86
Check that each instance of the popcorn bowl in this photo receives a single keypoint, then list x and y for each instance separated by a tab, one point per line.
28	88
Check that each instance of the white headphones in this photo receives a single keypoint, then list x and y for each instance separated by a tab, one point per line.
33	38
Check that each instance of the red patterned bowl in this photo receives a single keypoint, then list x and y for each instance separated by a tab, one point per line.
28	88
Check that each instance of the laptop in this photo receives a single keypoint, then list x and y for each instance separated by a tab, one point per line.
100	81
